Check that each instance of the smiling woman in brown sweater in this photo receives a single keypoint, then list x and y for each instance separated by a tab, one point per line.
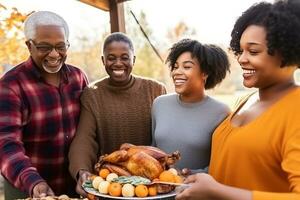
114	110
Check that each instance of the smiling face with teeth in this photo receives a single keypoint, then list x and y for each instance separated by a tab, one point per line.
46	35
188	79
118	60
260	69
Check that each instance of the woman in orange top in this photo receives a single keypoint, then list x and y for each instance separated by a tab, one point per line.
256	150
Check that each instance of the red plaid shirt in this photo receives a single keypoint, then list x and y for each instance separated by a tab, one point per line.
37	125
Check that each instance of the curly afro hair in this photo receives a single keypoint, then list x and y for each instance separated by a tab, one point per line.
281	21
213	60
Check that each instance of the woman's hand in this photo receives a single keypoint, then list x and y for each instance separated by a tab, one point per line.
83	176
42	189
204	187
201	187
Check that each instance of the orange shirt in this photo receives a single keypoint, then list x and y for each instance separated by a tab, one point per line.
263	155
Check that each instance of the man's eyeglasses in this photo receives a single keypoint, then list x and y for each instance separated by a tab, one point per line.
47	48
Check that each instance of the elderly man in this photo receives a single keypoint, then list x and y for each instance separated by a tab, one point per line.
39	111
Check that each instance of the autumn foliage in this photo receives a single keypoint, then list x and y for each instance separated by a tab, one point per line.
12	48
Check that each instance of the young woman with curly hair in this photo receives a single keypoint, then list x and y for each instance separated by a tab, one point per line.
189	112
256	150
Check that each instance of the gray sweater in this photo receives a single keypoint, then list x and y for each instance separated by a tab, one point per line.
186	127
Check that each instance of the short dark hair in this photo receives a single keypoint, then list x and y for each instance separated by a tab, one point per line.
117	37
212	59
281	21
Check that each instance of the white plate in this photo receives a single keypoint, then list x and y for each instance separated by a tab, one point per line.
96	193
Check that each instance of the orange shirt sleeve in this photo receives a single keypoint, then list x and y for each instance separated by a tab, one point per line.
257	195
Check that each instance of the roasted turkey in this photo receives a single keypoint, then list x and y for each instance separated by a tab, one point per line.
145	161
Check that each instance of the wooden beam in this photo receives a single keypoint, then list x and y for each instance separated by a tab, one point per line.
102	4
117	18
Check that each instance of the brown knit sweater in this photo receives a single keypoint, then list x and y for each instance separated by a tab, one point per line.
110	116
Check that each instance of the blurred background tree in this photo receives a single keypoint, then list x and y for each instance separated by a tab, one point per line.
180	31
147	62
12	48
87	55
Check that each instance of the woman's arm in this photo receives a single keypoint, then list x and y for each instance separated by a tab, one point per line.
203	186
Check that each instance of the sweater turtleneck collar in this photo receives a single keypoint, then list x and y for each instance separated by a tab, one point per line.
122	87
